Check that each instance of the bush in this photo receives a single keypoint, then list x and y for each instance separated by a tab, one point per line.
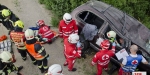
139	9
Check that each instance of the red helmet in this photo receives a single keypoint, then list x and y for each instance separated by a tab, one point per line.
105	44
40	23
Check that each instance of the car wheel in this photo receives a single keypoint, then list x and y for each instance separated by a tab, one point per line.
84	48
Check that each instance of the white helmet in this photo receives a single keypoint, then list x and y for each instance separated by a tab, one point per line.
111	34
29	34
67	18
55	69
6	57
73	38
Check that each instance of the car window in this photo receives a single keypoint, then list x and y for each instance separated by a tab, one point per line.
91	18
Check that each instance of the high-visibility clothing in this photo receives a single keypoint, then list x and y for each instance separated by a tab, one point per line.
66	29
102	59
45	32
18	39
31	50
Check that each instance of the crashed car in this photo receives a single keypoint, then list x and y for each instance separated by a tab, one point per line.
96	18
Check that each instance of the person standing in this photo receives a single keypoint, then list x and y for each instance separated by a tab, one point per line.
72	50
6	64
8	18
102	58
67	26
36	50
18	37
130	63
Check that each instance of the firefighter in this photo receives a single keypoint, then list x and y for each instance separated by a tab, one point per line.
2	7
72	51
102	58
6	65
67	26
18	37
37	51
130	63
45	32
55	69
8	18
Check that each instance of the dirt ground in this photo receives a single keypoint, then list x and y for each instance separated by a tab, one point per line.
29	11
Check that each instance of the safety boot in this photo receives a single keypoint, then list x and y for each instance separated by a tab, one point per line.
73	70
42	70
20	68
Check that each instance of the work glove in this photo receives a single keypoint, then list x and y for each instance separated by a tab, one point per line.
114	44
47	57
78	44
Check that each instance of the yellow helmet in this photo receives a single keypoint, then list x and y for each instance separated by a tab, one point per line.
19	23
6	13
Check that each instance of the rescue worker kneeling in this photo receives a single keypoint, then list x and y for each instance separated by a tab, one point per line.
72	51
6	65
37	51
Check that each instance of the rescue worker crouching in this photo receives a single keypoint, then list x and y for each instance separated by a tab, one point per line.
36	50
55	69
18	37
45	32
102	58
6	65
72	51
67	26
8	18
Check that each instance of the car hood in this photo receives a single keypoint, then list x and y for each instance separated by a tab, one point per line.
125	24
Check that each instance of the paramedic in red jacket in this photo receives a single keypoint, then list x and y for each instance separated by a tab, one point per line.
72	50
67	26
45	32
102	58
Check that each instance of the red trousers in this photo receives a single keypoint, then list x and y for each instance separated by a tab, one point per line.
70	62
100	68
121	72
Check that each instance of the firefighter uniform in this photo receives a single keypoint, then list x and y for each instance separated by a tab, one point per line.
71	52
66	29
102	58
18	38
38	54
8	22
45	32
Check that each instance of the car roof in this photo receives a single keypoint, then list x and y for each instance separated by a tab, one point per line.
125	24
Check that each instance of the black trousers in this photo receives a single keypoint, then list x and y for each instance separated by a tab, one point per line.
23	53
42	63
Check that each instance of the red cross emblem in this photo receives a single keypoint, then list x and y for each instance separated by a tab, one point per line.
134	62
105	57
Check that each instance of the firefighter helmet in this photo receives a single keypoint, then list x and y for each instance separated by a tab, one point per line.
6	57
19	24
111	34
67	18
40	22
6	13
29	34
55	69
105	44
73	38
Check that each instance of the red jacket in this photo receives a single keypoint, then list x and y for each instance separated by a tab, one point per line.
103	57
45	32
65	30
18	38
71	51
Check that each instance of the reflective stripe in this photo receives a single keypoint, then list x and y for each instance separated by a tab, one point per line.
103	63
41	50
69	56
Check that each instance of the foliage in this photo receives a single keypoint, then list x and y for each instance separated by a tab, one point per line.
139	9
